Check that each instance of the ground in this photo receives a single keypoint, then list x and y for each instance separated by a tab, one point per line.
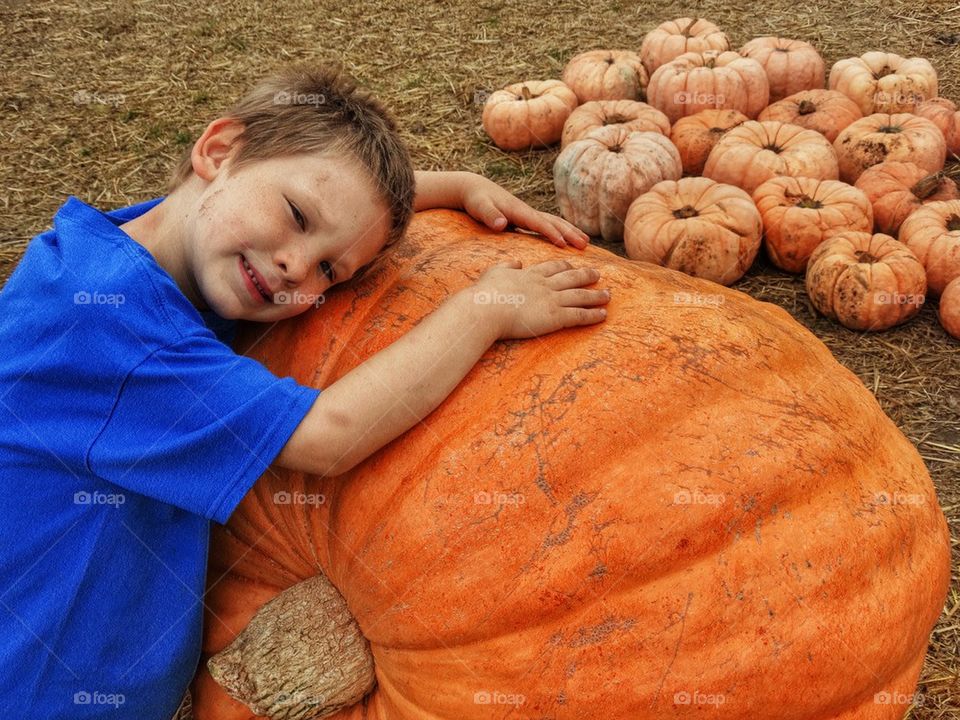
97	100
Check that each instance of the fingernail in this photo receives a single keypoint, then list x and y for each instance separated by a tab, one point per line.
603	311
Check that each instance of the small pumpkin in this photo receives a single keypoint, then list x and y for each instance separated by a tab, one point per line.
932	232
791	65
754	152
897	188
949	308
606	75
943	113
528	114
694	225
596	178
880	137
671	39
865	281
826	111
710	79
799	213
882	82
695	135
631	114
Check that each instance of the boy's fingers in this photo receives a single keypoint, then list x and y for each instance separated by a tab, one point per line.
551	267
584	316
579	297
575	277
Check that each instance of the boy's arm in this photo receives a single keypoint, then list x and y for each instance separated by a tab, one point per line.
392	391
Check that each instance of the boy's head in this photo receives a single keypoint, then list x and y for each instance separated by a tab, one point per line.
299	185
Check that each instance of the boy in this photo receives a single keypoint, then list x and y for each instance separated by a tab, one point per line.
128	425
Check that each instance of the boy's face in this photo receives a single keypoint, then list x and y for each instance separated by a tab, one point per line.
299	224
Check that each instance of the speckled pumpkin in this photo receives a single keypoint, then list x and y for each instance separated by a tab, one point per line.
606	75
882	82
799	213
671	39
949	309
943	113
631	114
754	152
881	137
865	281
791	65
896	189
826	111
530	551
696	135
932	232
529	114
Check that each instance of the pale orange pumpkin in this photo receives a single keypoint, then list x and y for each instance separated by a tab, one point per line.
932	232
694	225
754	152
631	114
711	79
791	65
826	111
673	38
531	549
882	82
529	114
799	213
943	113
695	135
880	137
949	309
606	75
897	188
865	281
596	178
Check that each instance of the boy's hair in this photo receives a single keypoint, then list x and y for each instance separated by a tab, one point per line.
319	109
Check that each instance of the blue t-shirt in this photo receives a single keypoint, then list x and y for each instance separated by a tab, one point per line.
126	425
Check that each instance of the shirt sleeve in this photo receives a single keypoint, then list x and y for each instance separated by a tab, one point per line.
194	425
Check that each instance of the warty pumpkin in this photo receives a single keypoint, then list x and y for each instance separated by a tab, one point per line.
631	114
897	188
528	114
880	137
606	75
791	65
826	111
695	135
673	38
932	232
949	309
882	82
526	551
943	113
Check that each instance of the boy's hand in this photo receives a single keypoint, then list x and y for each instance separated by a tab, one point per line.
495	207
539	299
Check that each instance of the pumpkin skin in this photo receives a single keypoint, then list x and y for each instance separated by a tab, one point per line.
896	189
529	114
949	309
864	281
696	135
881	82
622	556
800	213
791	65
606	75
671	39
696	226
881	137
711	79
597	178
630	114
754	152
943	113
826	111
932	232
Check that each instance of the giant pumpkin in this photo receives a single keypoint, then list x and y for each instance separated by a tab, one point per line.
686	509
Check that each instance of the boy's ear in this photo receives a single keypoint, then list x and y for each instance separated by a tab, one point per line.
216	145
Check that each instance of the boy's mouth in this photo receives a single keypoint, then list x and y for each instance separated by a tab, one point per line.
257	280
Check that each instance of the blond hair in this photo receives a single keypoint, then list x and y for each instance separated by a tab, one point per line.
319	109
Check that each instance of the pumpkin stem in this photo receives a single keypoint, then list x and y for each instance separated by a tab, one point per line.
689	27
806	201
865	257
806	107
773	147
615	120
927	186
883	72
301	657
525	92
953	222
890	129
687	211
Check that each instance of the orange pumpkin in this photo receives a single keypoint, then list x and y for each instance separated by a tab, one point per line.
597	178
606	75
695	135
799	213
943	113
881	137
696	226
932	232
866	282
631	114
896	189
754	152
881	82
949	309
529	114
673	38
791	65
528	551
826	111
711	79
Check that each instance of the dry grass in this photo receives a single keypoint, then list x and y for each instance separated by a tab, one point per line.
164	69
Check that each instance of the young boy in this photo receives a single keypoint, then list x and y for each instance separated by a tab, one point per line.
128	425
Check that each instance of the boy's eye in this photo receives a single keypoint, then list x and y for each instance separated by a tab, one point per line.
297	215
327	269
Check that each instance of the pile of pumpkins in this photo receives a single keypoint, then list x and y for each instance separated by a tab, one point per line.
731	149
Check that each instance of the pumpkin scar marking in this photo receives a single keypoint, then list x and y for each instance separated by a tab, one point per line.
676	649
